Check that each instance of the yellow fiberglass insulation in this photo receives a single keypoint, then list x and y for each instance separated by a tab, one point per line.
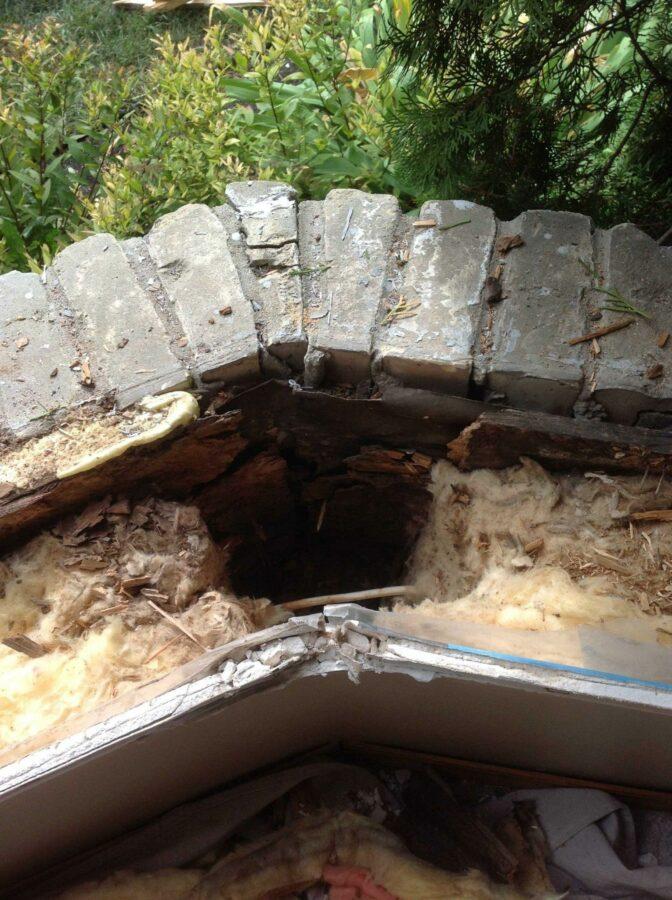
295	858
87	594
522	548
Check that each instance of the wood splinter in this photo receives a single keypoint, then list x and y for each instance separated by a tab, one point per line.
353	597
601	332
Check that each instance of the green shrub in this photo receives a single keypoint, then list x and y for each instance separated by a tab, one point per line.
552	103
298	93
58	130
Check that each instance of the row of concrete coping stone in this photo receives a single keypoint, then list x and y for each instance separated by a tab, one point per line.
348	290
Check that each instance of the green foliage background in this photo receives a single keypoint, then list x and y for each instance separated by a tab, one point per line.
541	104
109	119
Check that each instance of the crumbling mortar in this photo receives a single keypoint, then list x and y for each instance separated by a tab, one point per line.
481	349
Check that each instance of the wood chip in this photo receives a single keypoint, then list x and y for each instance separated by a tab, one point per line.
86	563
663	338
652	515
424	223
6	488
354	597
85	376
534	546
421	459
508	242
53	373
600	332
595	348
130	584
657	370
225	311
607	561
25	645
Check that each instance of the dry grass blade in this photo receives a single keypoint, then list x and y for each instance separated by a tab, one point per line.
619	303
403	309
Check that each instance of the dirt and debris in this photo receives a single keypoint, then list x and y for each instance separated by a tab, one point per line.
112	597
657	370
522	548
663	338
492	291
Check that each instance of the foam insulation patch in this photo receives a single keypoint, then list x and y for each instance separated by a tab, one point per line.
523	549
87	596
88	439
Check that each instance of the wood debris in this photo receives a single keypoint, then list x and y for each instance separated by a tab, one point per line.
23	644
226	310
85	376
424	223
177	624
609	561
508	242
657	370
663	338
387	593
601	332
534	546
652	515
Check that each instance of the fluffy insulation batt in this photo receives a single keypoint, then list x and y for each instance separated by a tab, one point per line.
304	854
523	549
84	596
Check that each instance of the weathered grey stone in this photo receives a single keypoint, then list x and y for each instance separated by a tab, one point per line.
359	230
429	342
129	344
35	354
543	284
633	374
267	215
190	248
267	210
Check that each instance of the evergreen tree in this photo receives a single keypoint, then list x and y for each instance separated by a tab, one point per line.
544	103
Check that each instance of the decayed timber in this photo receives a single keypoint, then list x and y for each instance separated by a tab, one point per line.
499	438
199	454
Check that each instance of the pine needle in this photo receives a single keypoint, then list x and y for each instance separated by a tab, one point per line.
620	304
